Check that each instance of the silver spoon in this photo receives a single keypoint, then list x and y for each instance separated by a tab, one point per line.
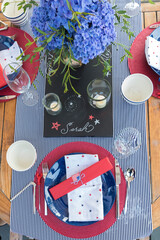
129	176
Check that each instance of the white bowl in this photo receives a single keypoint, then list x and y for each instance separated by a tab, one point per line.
11	11
137	88
21	155
17	17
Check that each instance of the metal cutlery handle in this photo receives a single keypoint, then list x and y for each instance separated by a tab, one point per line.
34	199
117	203
45	208
126	201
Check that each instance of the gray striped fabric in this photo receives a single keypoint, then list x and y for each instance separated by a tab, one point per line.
29	126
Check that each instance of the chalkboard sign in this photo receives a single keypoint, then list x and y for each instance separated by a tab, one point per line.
77	117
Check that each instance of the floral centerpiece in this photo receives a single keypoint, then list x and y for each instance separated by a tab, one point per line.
74	29
84	28
78	30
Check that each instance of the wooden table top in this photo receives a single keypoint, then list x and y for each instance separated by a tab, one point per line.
150	14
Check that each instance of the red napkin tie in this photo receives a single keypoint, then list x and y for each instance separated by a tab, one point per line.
81	178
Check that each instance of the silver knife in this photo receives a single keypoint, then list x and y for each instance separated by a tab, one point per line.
156	25
118	181
7	97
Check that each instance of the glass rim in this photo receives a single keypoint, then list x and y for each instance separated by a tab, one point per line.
12	64
4	74
105	97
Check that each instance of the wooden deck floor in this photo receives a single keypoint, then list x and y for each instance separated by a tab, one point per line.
150	14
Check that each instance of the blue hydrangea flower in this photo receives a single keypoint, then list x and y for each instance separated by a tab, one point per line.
91	39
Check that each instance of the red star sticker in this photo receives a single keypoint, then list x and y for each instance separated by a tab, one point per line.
91	117
55	125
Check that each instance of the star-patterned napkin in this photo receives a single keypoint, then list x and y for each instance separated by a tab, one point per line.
86	202
9	55
152	52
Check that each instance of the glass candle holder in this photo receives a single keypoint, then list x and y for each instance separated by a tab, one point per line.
52	103
99	93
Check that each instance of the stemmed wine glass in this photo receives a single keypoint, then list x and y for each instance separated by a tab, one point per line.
132	8
19	81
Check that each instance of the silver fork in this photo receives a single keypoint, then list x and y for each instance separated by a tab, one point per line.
45	171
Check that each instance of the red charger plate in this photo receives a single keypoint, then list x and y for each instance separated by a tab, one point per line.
139	63
30	68
70	230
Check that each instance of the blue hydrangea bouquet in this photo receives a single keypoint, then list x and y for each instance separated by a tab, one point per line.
78	30
88	26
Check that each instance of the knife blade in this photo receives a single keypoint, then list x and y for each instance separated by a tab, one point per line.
156	25
7	97
118	181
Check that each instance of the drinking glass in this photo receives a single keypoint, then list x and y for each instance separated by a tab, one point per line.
132	8
127	142
19	81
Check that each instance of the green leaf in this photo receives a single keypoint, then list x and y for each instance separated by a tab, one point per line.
12	68
33	2
50	38
34	85
40	31
20	56
114	7
5	5
54	29
75	78
128	52
27	6
126	16
26	57
29	44
150	1
121	12
56	60
38	49
73	27
21	3
19	7
122	58
40	71
33	56
69	5
65	66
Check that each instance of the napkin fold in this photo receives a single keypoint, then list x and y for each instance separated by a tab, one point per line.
10	55
80	172
152	52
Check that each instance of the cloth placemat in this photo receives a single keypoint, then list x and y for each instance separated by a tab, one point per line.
78	231
31	69
139	63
